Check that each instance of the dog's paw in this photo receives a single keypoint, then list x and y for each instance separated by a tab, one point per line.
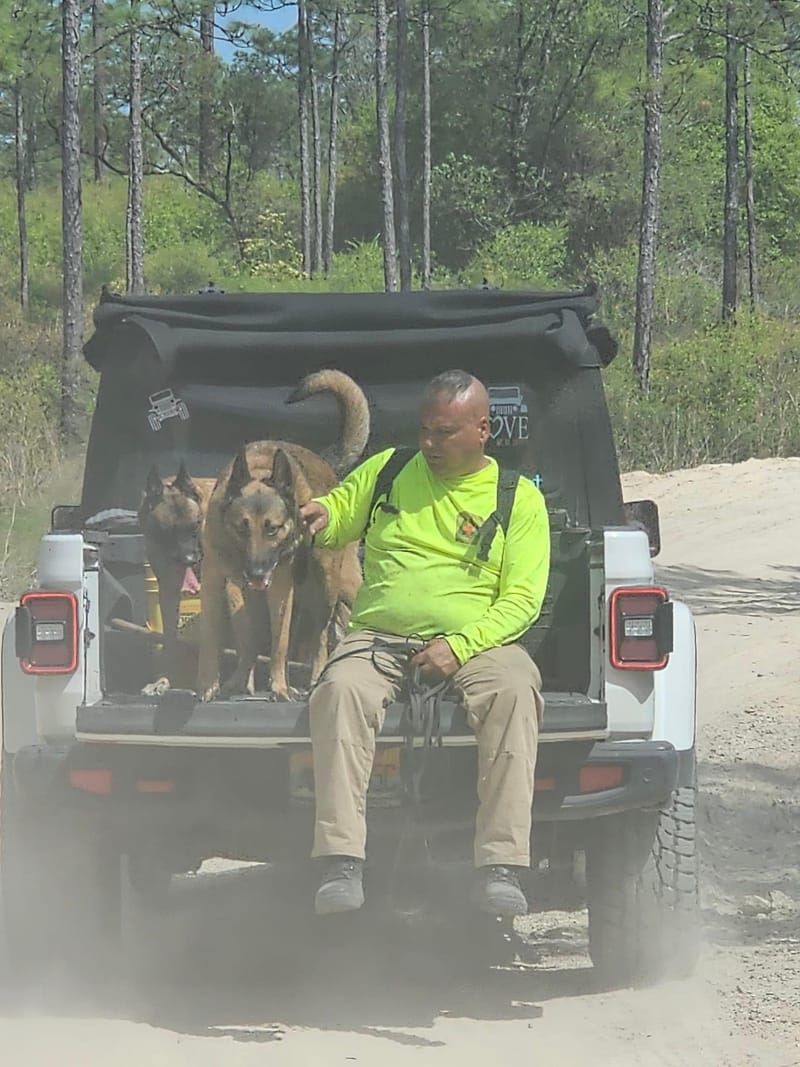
157	688
289	693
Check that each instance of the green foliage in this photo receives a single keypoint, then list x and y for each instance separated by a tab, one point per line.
175	215
469	205
687	292
537	143
29	407
268	227
720	395
183	268
360	269
524	256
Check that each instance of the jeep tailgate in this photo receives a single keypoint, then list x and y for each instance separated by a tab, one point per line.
255	722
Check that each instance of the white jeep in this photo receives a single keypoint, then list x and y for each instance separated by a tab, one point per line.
93	772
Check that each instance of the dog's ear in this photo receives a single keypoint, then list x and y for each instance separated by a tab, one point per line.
282	477
154	487
240	473
184	484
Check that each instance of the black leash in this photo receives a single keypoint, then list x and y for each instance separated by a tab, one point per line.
423	719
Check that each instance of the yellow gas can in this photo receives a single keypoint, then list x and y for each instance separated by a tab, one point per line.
189	604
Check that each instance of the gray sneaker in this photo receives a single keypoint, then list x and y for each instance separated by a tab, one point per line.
341	888
499	892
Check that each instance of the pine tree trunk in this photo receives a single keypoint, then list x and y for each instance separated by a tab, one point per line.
333	138
731	220
316	145
426	145
30	154
302	121
752	244
649	216
520	109
20	178
99	131
205	155
400	132
135	227
30	149
384	146
71	215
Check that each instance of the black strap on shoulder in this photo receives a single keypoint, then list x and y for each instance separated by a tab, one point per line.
507	482
385	480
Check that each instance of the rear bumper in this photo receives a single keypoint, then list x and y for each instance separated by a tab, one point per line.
177	731
650	771
152	789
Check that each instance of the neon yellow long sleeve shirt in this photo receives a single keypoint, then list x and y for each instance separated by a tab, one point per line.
421	571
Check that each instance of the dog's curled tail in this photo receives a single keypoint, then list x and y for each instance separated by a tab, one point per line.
353	408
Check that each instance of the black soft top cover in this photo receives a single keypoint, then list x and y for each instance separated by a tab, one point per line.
192	376
352	330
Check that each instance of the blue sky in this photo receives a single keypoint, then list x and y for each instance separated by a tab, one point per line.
278	21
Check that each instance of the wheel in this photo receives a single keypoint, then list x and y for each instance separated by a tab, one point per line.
183	411
60	889
642	891
155	423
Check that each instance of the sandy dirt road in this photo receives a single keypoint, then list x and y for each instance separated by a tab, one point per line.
228	985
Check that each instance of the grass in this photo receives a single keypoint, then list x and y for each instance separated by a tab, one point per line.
23	525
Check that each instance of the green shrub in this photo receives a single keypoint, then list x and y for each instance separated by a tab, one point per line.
721	395
29	419
359	269
522	256
183	268
687	291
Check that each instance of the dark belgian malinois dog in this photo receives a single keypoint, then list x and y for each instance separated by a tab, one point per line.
253	537
171	517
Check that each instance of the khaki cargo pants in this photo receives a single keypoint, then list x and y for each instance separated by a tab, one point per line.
501	692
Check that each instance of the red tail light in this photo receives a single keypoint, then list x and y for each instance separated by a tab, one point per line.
593	778
640	628
91	781
47	633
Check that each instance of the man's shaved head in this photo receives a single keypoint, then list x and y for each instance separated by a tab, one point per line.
456	385
454	424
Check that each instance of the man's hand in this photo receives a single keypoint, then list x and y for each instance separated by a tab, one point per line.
314	517
436	660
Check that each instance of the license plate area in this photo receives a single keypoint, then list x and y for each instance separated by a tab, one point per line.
385	785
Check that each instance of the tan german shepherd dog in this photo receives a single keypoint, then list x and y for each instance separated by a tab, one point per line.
171	517
253	537
172	514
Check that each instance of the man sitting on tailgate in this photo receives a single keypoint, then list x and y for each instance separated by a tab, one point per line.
427	572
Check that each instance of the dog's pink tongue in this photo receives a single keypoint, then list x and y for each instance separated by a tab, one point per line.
190	582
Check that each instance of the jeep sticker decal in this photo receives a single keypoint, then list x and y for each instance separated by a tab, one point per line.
165	405
508	413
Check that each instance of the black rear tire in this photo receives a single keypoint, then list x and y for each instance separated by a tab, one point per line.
643	893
